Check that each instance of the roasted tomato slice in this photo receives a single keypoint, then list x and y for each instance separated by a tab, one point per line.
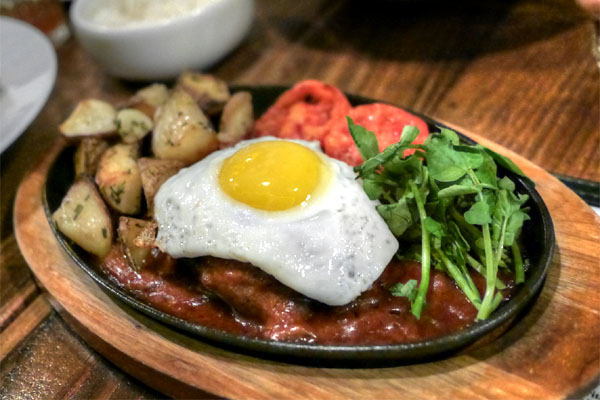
306	111
387	122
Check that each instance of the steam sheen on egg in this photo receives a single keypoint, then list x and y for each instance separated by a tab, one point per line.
284	207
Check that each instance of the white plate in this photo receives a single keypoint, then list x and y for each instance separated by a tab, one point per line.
27	75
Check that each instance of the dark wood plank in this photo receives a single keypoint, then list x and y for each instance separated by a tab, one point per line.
537	97
18	288
517	73
16	304
265	38
23	325
54	363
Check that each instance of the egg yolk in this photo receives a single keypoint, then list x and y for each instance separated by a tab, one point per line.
272	175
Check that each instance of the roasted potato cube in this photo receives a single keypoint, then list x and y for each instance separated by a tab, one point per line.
90	117
88	154
209	92
149	98
83	218
182	131
119	180
146	238
133	125
236	120
154	95
129	230
154	173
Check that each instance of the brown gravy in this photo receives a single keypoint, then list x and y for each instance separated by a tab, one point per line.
239	298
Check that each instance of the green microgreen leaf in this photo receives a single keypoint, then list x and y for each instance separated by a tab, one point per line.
486	173
503	161
371	164
518	260
444	164
513	227
402	171
450	136
365	140
408	290
417	305
478	214
373	187
456	190
409	134
433	227
450	209
471	157
506	184
397	216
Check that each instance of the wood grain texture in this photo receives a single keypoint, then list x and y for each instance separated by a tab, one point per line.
25	322
560	332
52	362
18	288
518	72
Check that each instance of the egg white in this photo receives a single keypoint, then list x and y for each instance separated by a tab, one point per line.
331	248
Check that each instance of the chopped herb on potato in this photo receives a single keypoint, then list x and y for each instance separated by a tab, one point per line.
88	154
83	218
182	131
90	117
129	230
119	180
133	125
149	98
210	92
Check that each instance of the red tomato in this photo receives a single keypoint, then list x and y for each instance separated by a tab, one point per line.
387	122
306	111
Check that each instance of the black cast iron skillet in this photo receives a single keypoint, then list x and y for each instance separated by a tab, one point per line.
538	248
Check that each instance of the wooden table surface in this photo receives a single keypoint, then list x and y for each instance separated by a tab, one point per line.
521	73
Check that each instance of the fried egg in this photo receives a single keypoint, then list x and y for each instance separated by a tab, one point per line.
286	208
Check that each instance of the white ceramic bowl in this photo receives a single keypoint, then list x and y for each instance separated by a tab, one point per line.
161	50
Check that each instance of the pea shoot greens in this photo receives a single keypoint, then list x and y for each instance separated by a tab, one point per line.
446	204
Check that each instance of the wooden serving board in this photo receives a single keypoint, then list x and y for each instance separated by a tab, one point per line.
553	352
